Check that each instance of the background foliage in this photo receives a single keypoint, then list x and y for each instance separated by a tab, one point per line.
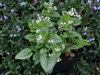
14	28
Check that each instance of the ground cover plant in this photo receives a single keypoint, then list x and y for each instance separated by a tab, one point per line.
51	39
13	27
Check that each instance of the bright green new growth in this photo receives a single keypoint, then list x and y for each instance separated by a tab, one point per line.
51	39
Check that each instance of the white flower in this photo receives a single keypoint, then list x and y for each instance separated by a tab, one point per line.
37	31
57	49
39	37
58	60
51	55
47	18
54	8
51	40
38	20
62	23
63	45
70	22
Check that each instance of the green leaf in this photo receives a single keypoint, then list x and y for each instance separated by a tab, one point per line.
64	34
42	51
56	38
54	14
44	12
30	37
56	54
76	21
47	62
50	45
36	57
24	54
31	25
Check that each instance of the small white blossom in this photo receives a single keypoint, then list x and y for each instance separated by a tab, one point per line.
39	37
50	3
38	20
37	31
57	49
50	7
58	60
54	8
63	45
51	55
51	40
70	22
47	18
59	27
48	11
62	23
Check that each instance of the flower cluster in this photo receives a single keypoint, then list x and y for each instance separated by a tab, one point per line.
38	20
72	12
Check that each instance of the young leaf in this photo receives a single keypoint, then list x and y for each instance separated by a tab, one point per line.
30	37
47	62
24	54
56	38
42	51
76	21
